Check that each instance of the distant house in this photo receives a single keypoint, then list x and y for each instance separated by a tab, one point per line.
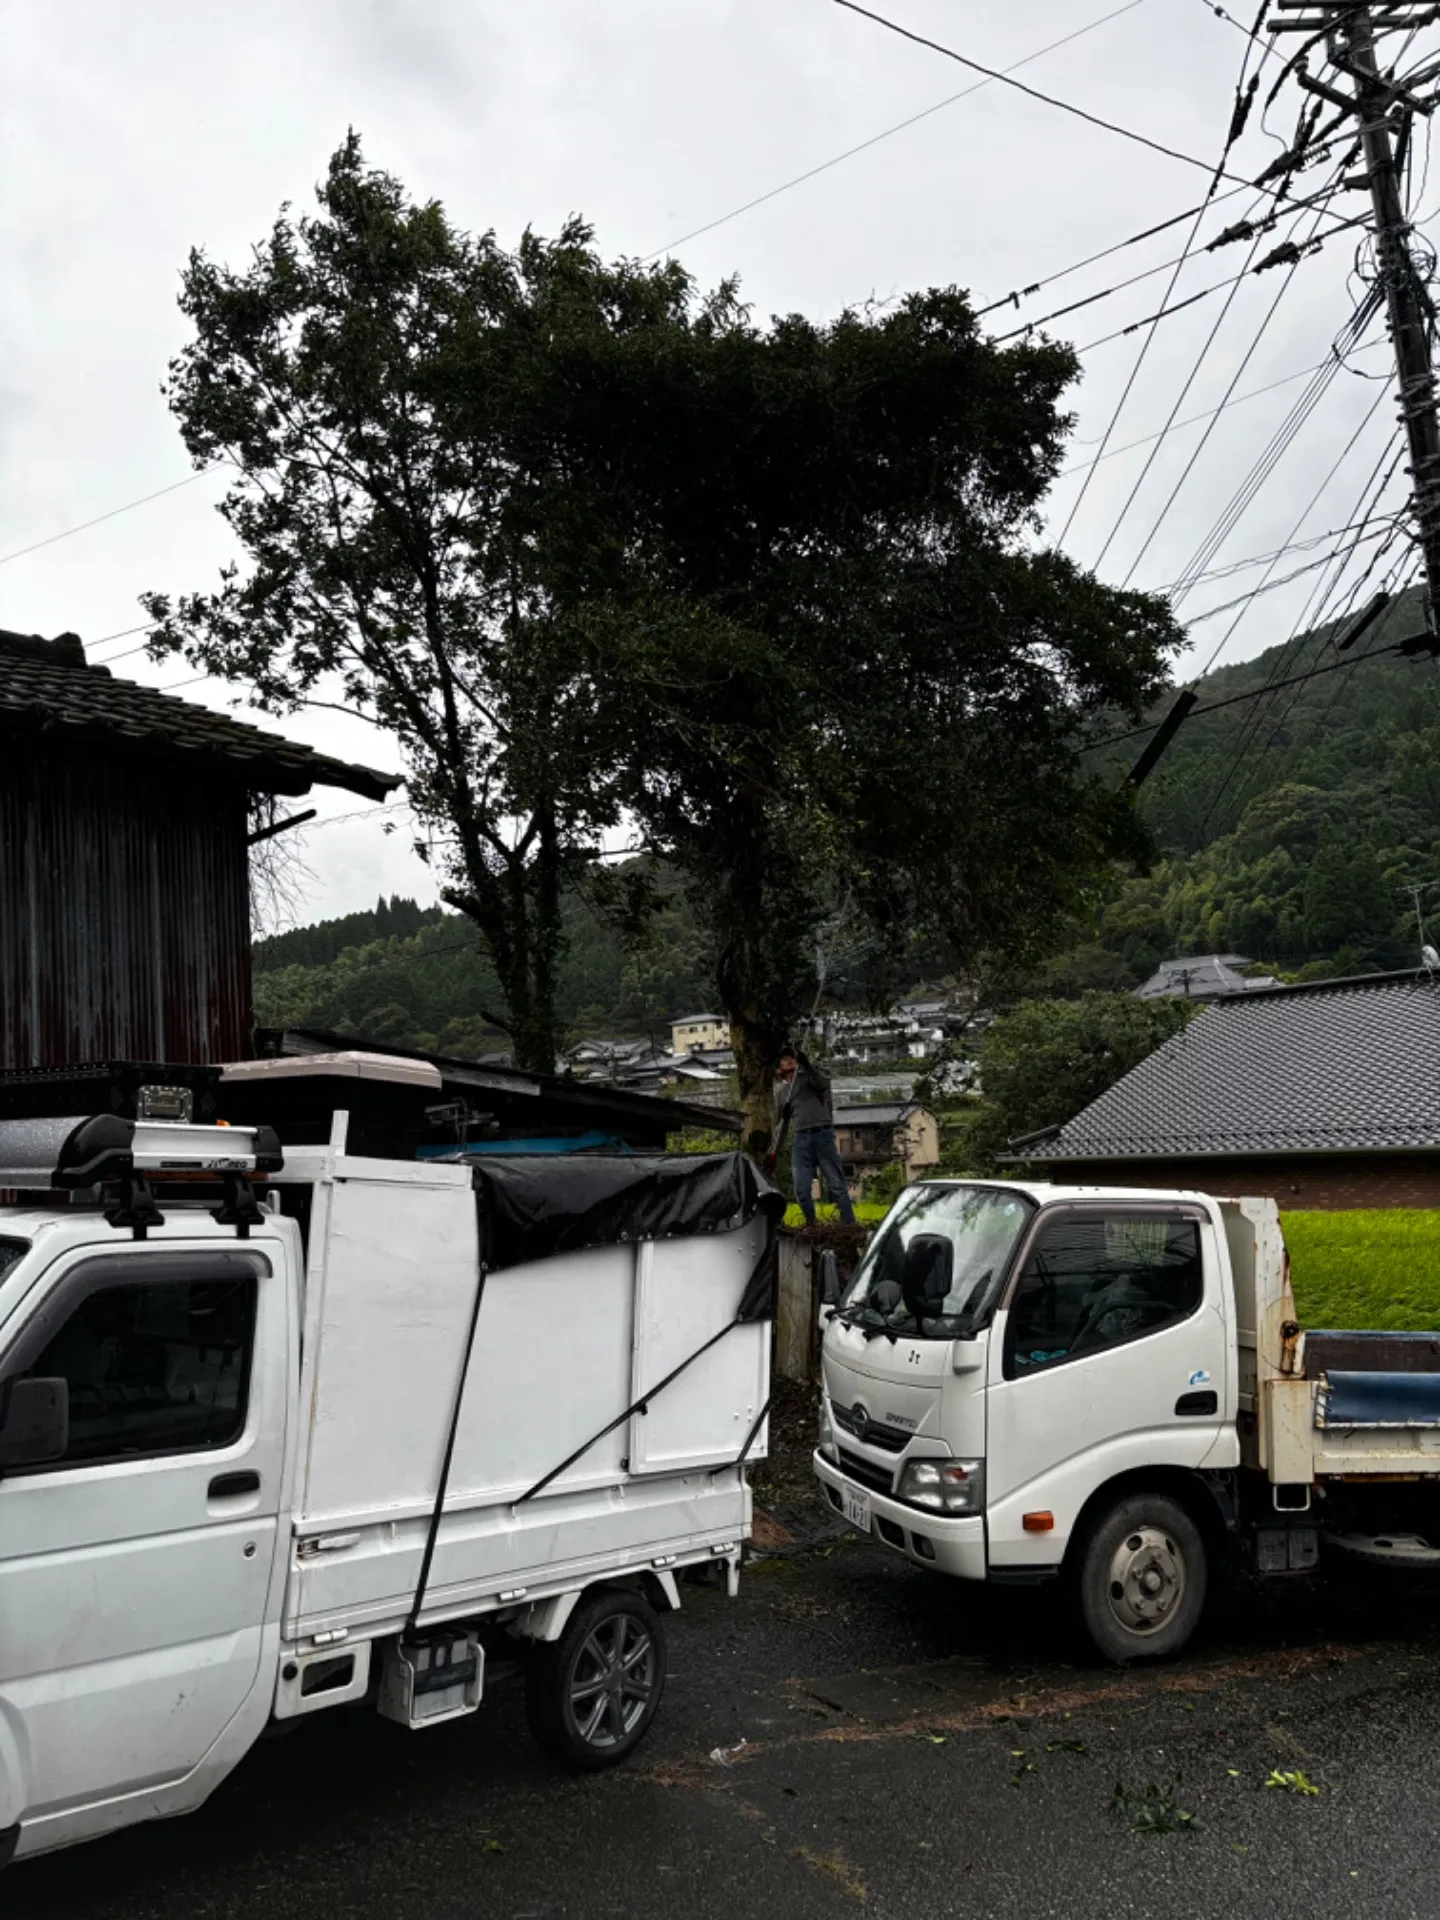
699	1030
1202	976
870	1137
1321	1096
616	1062
125	821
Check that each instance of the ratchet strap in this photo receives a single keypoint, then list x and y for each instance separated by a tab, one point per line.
759	1290
438	1509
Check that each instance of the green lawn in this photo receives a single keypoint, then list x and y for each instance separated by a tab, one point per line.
867	1212
1373	1269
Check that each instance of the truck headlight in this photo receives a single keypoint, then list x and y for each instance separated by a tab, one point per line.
826	1442
944	1486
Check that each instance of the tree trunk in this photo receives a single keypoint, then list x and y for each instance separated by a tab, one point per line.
754	1047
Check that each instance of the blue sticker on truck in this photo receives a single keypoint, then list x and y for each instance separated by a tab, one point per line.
1199	1378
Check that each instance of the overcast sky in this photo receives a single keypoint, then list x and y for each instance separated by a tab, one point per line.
131	134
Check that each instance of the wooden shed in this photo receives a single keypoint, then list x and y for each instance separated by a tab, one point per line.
125	816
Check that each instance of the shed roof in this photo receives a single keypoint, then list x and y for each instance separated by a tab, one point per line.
1342	1066
47	688
875	1114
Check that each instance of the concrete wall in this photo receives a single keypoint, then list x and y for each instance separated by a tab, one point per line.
1298	1182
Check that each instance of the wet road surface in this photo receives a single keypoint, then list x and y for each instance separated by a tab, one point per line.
890	1744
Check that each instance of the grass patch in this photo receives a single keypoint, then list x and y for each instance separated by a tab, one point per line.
1368	1269
868	1212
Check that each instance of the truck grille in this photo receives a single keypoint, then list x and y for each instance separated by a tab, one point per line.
883	1439
869	1475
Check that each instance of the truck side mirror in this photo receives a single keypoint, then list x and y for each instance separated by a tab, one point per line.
34	1422
829	1279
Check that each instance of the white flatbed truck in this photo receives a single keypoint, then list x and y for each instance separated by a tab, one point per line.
1026	1382
318	1444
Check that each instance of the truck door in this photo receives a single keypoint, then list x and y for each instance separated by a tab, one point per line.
1110	1354
136	1571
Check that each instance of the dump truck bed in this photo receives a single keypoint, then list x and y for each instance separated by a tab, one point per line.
1342	1403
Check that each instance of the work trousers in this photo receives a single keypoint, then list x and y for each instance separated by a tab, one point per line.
814	1152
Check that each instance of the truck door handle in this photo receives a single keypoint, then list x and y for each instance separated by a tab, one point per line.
1195	1405
226	1485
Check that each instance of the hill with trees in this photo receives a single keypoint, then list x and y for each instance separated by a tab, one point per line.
1289	827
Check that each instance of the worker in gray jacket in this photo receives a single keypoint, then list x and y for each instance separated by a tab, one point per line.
805	1105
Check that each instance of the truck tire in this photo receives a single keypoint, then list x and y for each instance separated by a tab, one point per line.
1139	1577
591	1695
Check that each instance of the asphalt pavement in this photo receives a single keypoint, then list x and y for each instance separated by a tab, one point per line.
853	1736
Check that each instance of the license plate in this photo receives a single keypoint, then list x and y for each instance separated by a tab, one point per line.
857	1508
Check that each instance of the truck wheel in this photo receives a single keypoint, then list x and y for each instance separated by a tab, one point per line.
1139	1579
591	1695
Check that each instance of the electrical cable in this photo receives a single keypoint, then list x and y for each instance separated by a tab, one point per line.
1204	441
1306	545
84	525
1284	580
1306	624
1315	672
1235	699
875	139
1049	99
1237	121
1262	468
1194	419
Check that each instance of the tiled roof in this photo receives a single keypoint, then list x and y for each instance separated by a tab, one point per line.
47	688
1342	1066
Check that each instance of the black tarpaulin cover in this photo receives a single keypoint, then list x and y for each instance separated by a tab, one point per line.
533	1206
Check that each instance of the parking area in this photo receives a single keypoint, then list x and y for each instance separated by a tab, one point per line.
854	1735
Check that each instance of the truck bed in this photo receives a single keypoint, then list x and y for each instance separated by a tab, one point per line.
1327	1402
562	1346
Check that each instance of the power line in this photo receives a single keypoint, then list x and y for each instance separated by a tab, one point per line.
875	139
1232	134
1049	99
1284	580
1307	623
1235	699
1204	441
1261	471
1232	567
1191	420
84	525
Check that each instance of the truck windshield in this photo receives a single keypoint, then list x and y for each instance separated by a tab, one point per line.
12	1252
897	1287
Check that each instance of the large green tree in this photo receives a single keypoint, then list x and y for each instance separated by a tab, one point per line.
853	683
387	391
600	547
1043	1061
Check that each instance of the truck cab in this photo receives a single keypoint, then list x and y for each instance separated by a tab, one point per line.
1018	1370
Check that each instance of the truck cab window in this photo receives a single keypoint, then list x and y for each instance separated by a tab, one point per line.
153	1366
1098	1280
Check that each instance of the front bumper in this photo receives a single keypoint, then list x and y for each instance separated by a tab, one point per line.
955	1546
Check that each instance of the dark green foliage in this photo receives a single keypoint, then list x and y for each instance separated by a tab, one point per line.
595	546
432	989
326	940
1044	1060
1304	858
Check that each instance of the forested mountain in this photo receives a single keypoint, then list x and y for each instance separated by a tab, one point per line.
413	976
1292	826
1288	828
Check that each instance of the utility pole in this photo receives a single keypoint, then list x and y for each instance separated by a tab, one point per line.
1382	109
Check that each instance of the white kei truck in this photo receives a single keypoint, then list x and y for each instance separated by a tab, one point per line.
325	1441
1025	1382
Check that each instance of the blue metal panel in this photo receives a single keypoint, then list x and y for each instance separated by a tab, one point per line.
1378	1400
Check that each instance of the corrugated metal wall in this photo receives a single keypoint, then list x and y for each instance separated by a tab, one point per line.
124	910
